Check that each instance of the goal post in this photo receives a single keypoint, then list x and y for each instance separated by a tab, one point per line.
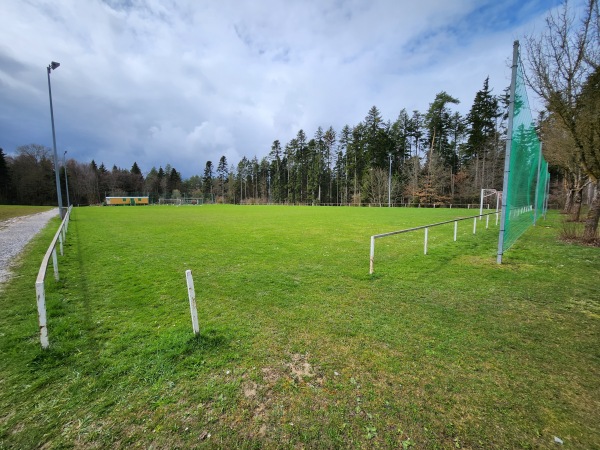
485	193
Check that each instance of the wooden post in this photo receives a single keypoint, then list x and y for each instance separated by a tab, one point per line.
41	306
372	255
55	263
192	296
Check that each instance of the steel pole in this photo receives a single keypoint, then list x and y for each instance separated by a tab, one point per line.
390	185
57	176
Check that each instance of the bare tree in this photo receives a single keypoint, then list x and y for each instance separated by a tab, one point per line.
562	60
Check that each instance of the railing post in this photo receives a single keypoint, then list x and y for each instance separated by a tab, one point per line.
487	221
60	239
455	229
372	255
192	296
55	263
426	237
475	225
41	306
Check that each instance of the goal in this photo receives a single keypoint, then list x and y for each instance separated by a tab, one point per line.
169	201
491	195
192	201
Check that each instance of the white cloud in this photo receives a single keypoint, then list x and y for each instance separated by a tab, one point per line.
183	82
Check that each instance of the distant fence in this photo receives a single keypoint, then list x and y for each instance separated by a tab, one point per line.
260	202
59	239
426	228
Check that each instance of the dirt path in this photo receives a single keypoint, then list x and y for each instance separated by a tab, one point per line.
15	233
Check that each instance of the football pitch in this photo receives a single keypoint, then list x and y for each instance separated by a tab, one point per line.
299	347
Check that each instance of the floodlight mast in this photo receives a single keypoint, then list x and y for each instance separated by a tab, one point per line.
52	66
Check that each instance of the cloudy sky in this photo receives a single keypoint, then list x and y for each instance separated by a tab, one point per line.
182	82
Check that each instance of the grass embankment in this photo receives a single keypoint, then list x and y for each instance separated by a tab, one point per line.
299	346
10	211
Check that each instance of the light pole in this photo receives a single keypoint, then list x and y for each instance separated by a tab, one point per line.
390	184
66	179
53	65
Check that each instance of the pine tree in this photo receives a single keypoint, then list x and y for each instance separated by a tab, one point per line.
482	134
222	176
207	179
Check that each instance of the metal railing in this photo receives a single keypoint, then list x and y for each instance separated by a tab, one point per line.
426	228
40	291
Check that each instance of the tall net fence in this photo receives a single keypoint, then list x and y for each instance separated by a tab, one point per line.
526	172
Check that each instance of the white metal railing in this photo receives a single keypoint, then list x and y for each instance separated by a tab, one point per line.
40	291
426	228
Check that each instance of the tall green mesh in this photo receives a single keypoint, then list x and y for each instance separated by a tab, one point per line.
525	185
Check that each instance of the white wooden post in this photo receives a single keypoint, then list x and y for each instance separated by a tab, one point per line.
474	225
55	263
192	295
372	255
487	222
41	306
455	229
426	236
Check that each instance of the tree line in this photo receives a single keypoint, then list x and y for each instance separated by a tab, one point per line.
434	157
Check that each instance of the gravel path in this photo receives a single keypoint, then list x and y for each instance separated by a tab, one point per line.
15	233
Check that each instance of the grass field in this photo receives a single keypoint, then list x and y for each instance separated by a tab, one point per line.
8	212
299	346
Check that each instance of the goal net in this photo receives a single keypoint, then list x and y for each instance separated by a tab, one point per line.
169	201
192	201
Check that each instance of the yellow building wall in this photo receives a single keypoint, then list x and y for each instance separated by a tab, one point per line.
127	201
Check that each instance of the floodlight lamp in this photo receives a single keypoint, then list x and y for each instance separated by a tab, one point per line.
54	65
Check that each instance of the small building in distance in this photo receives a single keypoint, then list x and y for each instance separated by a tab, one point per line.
132	201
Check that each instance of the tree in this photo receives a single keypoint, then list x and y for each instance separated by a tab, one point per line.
4	178
32	175
137	179
207	179
561	63
222	176
559	150
482	135
587	125
438	124
173	182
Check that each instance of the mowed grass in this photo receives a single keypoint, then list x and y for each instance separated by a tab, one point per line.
10	211
299	346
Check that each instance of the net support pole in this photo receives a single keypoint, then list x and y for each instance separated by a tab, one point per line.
537	187
547	194
511	114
